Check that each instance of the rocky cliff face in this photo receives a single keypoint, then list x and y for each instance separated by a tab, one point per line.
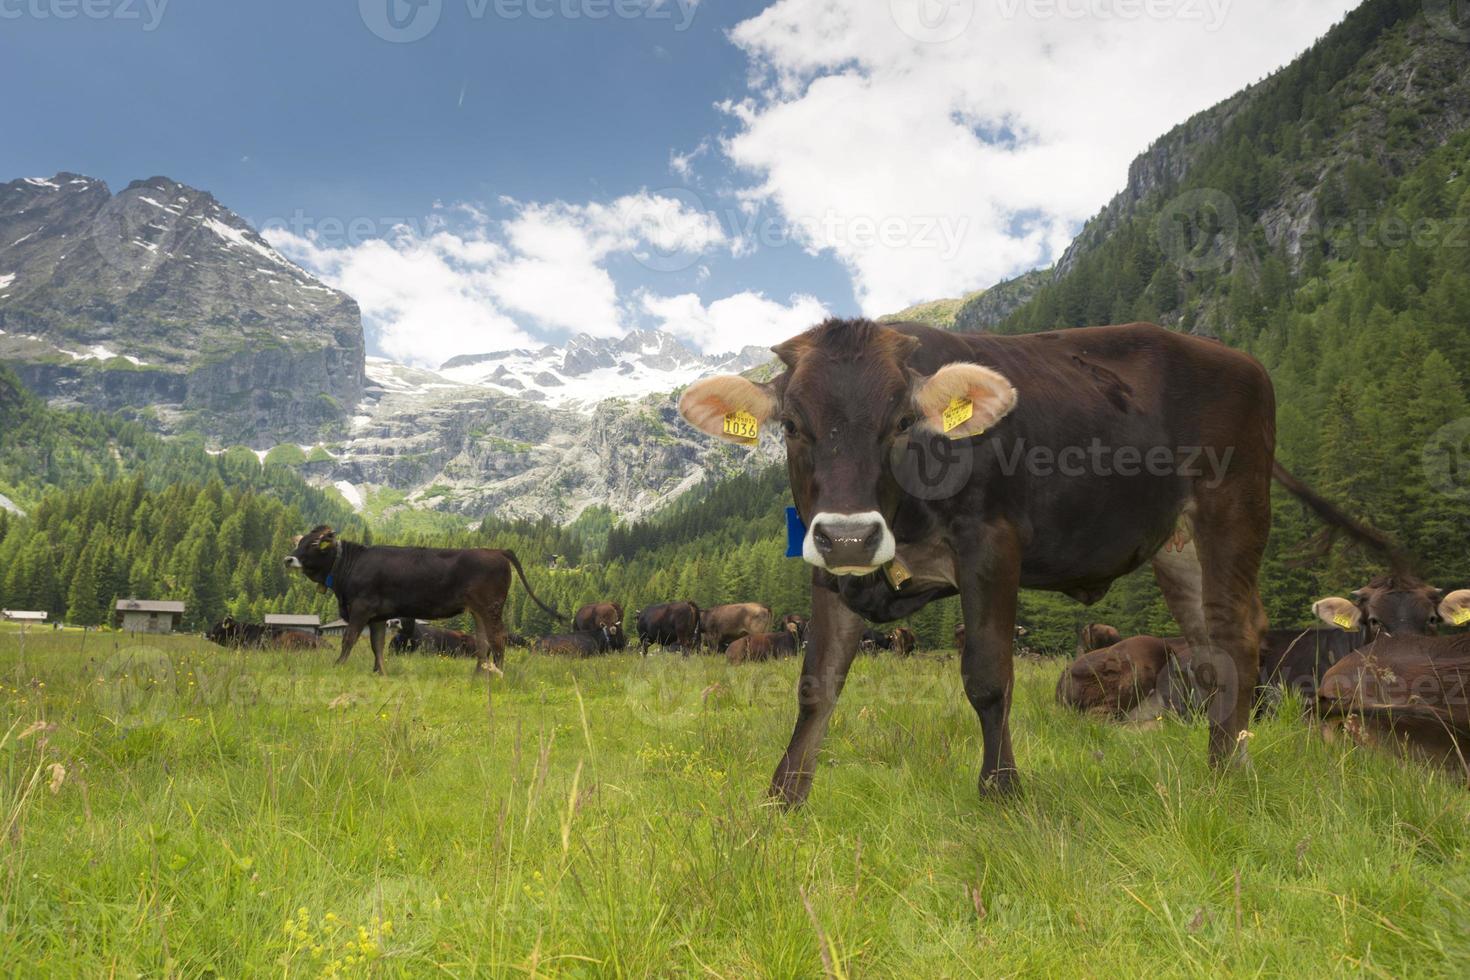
159	296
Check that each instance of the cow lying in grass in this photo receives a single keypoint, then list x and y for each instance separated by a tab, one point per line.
415	637
231	633
582	643
1409	694
764	646
374	584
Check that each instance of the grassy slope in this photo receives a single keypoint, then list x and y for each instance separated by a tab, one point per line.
606	817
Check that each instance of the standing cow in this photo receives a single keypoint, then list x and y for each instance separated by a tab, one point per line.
903	641
602	615
797	620
374	584
721	625
927	463
669	624
1096	636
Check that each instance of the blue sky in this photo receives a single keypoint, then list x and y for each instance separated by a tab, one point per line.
727	170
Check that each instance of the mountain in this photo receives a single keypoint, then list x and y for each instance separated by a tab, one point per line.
160	297
588	370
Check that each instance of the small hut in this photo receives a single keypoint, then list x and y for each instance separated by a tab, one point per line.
335	628
148	615
277	622
24	618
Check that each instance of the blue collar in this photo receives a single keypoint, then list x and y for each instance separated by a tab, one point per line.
329	580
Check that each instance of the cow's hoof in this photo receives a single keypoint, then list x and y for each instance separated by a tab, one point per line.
1001	784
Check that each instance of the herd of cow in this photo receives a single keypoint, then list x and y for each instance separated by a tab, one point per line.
1376	670
926	464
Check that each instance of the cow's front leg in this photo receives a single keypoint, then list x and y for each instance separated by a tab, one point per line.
377	633
989	578
835	631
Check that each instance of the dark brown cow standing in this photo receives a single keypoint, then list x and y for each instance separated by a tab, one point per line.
1095	636
374	584
669	624
602	615
903	642
721	625
1411	694
797	620
982	464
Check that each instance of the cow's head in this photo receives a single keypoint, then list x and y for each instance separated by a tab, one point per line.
315	553
1397	605
847	404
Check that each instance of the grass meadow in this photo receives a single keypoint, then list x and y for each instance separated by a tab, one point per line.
170	808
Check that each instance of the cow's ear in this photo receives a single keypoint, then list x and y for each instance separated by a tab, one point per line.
1338	612
327	540
730	407
1455	608
963	400
295	540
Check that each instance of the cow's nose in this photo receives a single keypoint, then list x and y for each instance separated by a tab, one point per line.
847	542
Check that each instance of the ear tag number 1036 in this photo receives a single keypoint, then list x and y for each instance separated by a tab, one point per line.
743	428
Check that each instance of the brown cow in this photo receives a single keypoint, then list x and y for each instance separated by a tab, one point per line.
1116	679
602	615
757	647
1396	605
374	584
719	626
295	640
928	463
669	624
582	643
903	642
797	620
1408	693
1096	636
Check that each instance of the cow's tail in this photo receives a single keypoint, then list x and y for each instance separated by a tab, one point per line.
516	564
1339	521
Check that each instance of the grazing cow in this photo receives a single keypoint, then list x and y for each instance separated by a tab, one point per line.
721	625
581	643
903	642
1095	636
669	624
797	620
602	615
415	637
1411	693
374	584
1395	605
1116	679
757	647
872	641
229	632
927	463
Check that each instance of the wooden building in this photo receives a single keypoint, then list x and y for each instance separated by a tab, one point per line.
148	615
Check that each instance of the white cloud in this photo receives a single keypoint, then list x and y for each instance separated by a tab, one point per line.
1017	130
483	284
745	319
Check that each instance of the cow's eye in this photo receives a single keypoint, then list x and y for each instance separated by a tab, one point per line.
906	422
789	427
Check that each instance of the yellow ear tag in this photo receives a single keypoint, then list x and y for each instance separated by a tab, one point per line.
743	428
1345	621
1461	617
960	411
325	544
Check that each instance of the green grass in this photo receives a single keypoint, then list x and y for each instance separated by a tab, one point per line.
247	814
